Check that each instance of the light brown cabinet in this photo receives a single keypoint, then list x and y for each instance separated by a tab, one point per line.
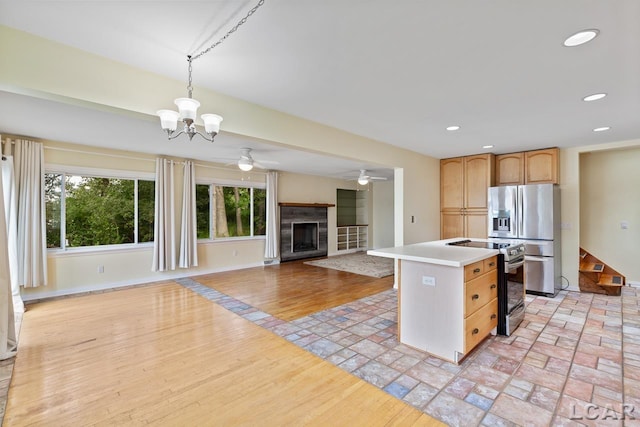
463	195
481	301
529	167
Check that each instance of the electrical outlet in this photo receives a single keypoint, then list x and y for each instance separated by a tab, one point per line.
428	280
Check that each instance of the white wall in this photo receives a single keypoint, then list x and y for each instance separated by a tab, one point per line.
610	195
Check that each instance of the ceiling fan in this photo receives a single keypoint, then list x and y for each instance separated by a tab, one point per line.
364	179
246	161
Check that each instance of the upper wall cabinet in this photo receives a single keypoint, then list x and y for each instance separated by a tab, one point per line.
463	195
529	167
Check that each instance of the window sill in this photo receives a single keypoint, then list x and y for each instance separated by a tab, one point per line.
231	239
93	250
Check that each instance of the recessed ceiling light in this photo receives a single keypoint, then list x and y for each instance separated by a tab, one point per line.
602	129
487	146
453	127
594	97
581	37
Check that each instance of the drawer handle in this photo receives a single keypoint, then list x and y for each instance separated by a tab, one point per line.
491	264
476	270
493	316
475	296
493	286
475	331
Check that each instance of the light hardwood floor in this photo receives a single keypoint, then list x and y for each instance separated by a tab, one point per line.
293	289
162	354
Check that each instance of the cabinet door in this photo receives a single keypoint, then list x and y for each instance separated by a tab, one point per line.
479	176
510	169
451	183
451	225
476	224
541	166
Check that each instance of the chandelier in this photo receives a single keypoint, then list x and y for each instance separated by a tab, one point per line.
188	107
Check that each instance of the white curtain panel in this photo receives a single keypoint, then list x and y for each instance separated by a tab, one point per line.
28	165
188	227
164	236
272	243
11	218
7	325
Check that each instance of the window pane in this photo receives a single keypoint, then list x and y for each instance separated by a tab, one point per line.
99	211
237	203
259	211
52	193
146	210
202	211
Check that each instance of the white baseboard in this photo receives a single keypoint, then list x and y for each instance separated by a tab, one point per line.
121	284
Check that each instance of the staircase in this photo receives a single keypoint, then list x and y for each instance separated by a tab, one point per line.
597	277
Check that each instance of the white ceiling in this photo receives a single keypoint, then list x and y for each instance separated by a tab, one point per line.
395	71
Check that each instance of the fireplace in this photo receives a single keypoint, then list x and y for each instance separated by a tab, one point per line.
304	236
303	231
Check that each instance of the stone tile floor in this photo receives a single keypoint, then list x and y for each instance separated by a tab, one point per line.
575	360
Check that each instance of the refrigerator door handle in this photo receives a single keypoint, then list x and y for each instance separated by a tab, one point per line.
519	212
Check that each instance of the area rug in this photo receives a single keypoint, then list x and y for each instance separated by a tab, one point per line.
358	263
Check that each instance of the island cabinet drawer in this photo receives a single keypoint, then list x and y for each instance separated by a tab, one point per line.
479	324
480	291
477	269
490	263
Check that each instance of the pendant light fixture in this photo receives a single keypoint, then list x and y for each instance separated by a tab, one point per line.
187	111
188	107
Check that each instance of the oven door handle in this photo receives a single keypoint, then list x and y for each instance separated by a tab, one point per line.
538	258
513	265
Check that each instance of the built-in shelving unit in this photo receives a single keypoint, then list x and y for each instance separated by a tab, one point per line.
353	237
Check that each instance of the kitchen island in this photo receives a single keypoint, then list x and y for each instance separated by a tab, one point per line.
447	296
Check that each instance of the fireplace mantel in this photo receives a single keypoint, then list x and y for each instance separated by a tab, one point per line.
307	205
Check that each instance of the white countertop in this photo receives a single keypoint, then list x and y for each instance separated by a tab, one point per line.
437	252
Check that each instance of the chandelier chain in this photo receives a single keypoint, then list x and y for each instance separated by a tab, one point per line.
189	87
231	31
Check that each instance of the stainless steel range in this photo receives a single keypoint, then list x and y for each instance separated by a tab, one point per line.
511	286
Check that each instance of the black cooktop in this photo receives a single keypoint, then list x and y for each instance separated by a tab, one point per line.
484	245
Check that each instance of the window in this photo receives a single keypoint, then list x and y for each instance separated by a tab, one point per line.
83	210
229	211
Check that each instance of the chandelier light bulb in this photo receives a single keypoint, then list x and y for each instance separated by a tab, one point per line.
188	108
211	123
168	119
363	181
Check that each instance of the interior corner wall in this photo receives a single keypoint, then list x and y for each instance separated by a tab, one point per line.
610	198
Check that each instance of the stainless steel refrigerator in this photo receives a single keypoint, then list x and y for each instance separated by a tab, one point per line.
530	214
